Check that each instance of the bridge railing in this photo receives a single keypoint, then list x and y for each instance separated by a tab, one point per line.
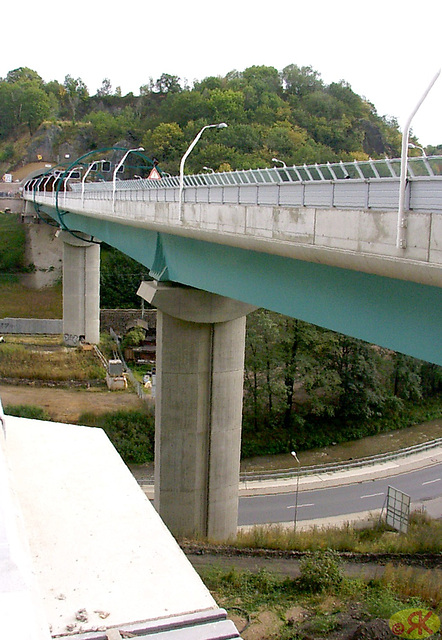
422	194
371	184
425	166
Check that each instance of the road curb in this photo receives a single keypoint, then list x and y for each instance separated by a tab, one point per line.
325	480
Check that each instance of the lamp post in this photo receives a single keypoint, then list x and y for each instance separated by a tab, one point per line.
221	125
416	146
281	161
86	173
114	178
401	223
293	453
65	182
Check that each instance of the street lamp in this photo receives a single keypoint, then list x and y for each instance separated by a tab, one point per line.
65	181
114	179
416	146
281	161
86	173
209	169
293	453
401	222
221	125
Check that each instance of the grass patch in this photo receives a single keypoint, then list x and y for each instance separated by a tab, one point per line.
424	536
27	411
414	582
12	248
26	361
131	432
250	591
17	301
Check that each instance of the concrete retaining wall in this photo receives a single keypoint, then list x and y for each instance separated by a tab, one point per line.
117	319
122	319
31	326
15	205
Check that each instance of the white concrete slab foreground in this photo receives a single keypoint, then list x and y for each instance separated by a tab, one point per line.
99	555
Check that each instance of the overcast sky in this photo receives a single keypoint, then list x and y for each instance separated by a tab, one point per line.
389	51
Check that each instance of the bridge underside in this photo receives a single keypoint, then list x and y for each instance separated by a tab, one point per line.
396	314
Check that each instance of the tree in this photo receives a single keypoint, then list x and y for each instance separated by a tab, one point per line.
120	277
165	142
300	81
105	89
75	91
260	380
167	83
22	101
225	105
35	107
361	392
24	74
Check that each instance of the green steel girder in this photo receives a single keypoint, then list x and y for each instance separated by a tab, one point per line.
396	314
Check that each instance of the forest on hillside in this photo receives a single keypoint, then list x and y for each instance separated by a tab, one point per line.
290	114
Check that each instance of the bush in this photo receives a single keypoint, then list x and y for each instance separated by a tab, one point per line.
27	411
321	571
131	432
133	337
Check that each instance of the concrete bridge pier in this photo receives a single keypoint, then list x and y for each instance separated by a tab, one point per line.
81	289
199	392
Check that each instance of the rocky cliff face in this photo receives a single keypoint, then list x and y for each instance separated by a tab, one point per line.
58	143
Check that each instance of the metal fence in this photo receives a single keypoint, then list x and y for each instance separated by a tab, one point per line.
339	466
372	184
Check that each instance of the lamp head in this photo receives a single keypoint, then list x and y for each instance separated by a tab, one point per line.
221	125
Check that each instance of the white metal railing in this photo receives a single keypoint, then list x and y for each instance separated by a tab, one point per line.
369	184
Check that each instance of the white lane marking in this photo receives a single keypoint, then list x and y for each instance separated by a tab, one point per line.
372	495
294	506
431	481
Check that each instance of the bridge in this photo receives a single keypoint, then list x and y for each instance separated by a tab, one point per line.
321	243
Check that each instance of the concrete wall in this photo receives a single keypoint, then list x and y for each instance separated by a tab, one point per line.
31	326
120	319
44	250
15	205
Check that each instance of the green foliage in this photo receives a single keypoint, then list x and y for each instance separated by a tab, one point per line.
292	114
131	432
307	387
7	153
133	337
381	602
12	247
321	571
424	536
27	411
253	589
120	277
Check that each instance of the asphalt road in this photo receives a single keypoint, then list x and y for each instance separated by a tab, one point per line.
421	485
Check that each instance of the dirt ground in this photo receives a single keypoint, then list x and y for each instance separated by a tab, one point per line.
66	405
